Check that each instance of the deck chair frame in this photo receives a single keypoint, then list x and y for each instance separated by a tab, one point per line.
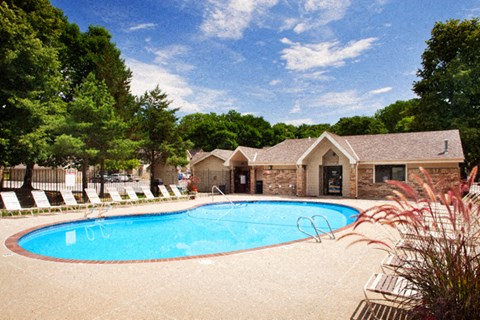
70	201
96	202
117	198
133	195
149	195
177	192
42	202
11	203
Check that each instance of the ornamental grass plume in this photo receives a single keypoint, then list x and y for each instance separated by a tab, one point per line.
437	236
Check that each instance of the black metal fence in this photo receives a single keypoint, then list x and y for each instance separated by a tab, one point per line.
53	179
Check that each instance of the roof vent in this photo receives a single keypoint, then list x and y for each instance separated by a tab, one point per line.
445	150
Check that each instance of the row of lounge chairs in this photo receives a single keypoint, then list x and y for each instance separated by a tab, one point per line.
42	204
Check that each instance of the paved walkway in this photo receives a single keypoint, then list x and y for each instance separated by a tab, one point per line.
304	280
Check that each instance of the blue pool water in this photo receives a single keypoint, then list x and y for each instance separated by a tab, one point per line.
208	229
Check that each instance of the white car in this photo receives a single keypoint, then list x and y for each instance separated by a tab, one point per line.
117	177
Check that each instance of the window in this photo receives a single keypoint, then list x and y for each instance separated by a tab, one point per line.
389	172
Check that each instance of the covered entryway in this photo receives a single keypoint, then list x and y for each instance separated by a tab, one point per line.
332	180
242	181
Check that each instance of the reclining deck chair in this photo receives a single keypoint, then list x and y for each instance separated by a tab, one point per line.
133	195
166	195
177	192
149	195
41	201
70	201
116	197
96	201
11	203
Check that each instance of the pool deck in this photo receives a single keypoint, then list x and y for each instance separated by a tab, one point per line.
302	280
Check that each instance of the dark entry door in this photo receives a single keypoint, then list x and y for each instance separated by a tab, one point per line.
242	181
332	182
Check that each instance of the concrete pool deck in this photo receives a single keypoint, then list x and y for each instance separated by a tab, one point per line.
302	280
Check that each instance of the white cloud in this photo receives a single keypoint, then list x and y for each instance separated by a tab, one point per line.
274	82
317	13
166	54
143	26
324	54
146	76
296	108
380	90
229	19
345	98
298	122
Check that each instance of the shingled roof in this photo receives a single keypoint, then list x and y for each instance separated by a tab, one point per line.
428	146
411	146
286	152
405	147
222	154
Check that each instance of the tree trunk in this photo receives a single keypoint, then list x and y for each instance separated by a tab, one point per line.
1	177
27	179
153	187
84	178
102	178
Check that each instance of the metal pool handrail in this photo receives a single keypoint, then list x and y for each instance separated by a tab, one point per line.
314	226
215	187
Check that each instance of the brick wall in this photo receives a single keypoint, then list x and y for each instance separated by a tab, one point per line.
280	182
367	189
301	181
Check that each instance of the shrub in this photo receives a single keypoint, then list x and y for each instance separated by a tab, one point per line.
192	184
443	230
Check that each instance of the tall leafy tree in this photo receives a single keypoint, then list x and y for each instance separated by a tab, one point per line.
282	131
449	85
397	117
158	134
94	132
358	125
208	131
311	130
29	89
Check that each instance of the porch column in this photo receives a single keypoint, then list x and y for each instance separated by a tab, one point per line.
353	181
301	181
232	179
252	180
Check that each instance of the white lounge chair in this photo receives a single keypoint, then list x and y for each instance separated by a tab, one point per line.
11	203
473	193
116	197
149	195
96	201
165	193
70	201
391	287
133	195
177	192
41	201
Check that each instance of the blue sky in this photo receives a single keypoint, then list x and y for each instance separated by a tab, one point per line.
292	61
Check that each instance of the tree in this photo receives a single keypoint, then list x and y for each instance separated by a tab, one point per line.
208	131
449	85
30	105
397	116
311	130
157	130
282	131
93	130
358	125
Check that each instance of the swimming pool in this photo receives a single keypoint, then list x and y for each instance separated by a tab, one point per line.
206	230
